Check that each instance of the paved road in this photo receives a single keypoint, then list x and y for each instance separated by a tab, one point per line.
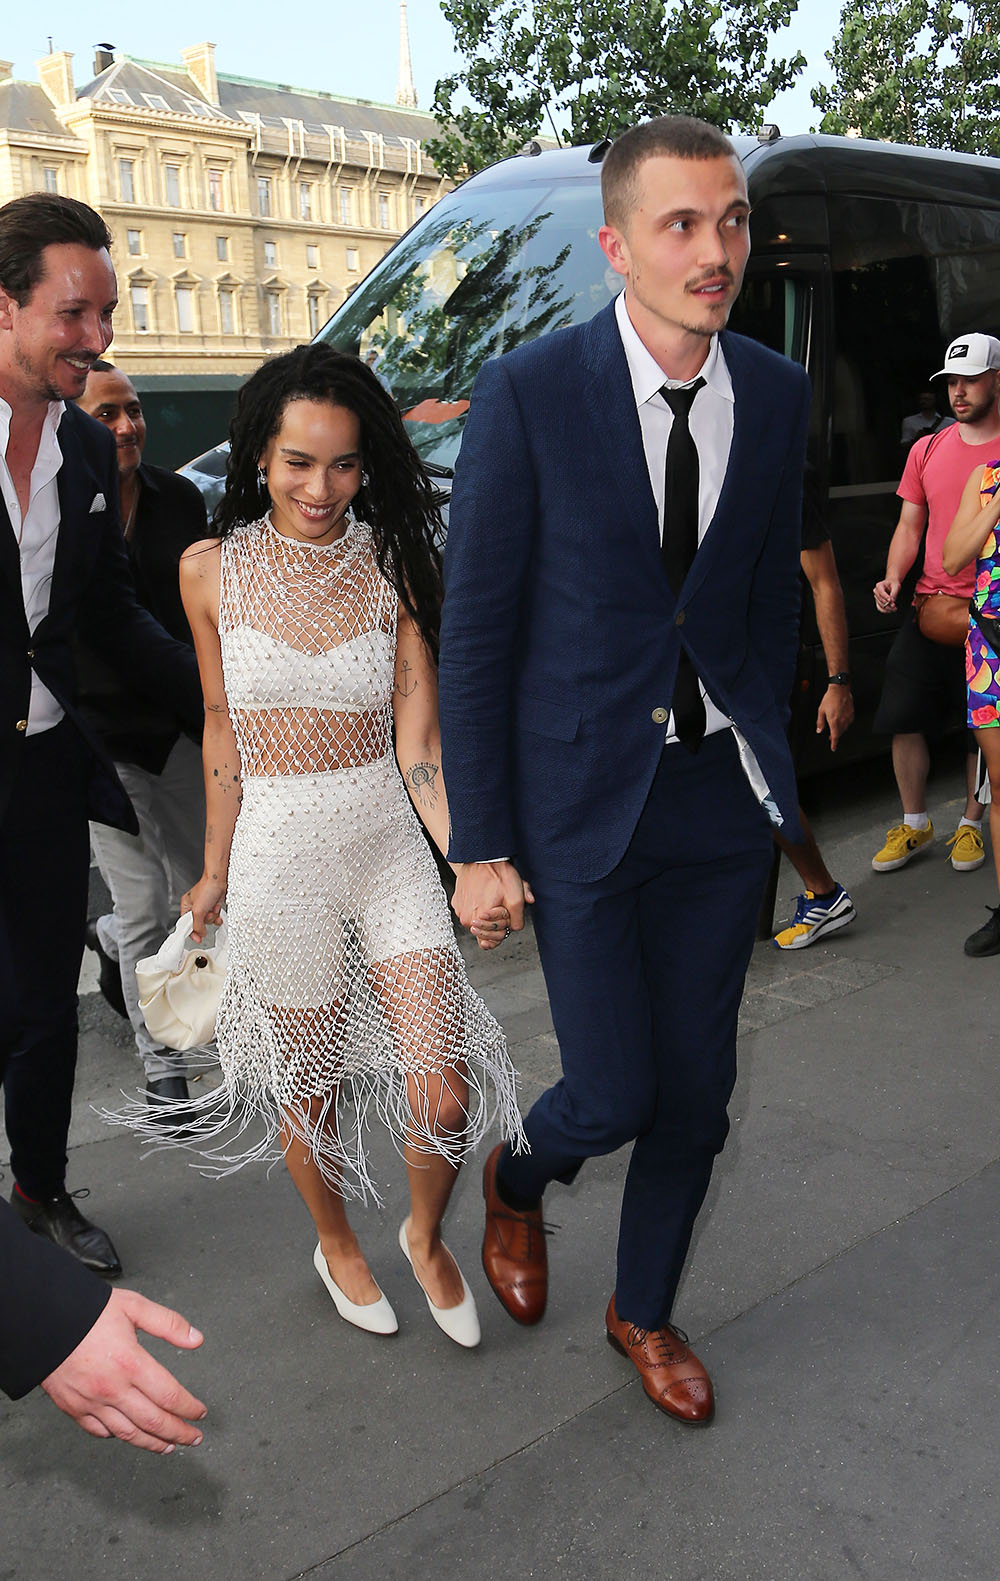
844	1290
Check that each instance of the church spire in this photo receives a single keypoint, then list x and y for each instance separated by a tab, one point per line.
406	93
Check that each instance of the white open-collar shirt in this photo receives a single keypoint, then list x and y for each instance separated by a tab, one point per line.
711	425
36	538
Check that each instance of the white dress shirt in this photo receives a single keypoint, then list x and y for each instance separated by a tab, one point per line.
36	539
711	425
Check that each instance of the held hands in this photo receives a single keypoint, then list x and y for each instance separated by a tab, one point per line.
886	594
204	901
836	713
488	894
113	1388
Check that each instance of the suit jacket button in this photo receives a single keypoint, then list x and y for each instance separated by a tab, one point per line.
660	716
679	618
31	653
22	724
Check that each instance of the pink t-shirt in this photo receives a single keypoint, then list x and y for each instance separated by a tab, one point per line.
937	470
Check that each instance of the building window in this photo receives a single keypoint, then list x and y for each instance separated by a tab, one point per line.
180	244
119	96
419	204
140	308
271	254
126	180
185	309
305	200
222	248
315	322
227	312
264	196
156	101
272	302
346	206
50	178
383	210
134	242
352	258
172	179
215	191
312	257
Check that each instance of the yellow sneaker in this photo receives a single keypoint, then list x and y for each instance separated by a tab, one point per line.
968	853
901	843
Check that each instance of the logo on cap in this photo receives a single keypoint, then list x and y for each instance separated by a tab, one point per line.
959	349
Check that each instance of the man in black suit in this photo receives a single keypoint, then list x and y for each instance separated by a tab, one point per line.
62	1328
159	766
63	576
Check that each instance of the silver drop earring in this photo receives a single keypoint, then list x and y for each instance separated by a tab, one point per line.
365	480
262	479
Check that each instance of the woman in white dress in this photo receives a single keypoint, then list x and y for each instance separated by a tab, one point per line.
315	619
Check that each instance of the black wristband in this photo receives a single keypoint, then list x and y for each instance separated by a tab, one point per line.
842	678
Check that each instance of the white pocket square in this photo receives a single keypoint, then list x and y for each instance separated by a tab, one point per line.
100	504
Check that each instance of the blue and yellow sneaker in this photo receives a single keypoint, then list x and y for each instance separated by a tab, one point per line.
815	917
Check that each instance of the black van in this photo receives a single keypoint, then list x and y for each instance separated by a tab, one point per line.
867	259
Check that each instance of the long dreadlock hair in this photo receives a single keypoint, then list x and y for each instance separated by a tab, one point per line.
397	499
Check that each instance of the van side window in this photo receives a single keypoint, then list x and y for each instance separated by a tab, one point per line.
908	277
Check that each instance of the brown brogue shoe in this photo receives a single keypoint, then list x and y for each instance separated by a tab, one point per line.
672	1376
514	1257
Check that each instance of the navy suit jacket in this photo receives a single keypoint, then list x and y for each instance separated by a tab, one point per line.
93	598
48	1302
561	634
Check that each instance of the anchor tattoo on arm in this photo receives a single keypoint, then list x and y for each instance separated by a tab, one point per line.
420	778
406	685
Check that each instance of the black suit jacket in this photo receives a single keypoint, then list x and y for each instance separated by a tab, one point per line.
48	1302
92	598
134	728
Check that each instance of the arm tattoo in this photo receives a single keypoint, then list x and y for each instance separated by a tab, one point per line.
406	685
214	708
420	778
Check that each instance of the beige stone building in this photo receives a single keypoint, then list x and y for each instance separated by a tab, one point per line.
242	212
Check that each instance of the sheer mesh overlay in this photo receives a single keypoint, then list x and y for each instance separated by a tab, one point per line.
346	989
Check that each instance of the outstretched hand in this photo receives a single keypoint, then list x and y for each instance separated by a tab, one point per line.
113	1388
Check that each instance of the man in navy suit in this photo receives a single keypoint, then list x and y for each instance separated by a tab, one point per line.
63	576
618	644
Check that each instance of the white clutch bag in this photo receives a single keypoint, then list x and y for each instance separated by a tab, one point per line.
180	986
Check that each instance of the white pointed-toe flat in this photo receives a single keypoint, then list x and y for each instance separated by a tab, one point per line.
460	1323
377	1317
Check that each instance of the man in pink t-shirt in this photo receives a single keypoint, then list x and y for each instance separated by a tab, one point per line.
925	681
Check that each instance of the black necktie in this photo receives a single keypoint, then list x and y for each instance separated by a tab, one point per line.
679	547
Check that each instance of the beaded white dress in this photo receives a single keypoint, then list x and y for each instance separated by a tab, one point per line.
346	989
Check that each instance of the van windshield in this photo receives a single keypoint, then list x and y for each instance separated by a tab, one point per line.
482	274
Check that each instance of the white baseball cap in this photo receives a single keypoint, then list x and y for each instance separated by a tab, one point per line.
970	355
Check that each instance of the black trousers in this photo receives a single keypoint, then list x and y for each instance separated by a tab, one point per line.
645	971
44	868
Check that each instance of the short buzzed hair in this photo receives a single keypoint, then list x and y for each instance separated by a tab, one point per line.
682	136
30	224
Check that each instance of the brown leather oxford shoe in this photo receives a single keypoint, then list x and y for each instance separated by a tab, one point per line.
514	1257
672	1376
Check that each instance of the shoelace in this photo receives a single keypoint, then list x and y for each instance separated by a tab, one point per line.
659	1342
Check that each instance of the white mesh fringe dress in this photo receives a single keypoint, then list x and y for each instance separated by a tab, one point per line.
344	976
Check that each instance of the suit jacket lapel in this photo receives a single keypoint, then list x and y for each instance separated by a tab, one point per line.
77	486
10	559
610	403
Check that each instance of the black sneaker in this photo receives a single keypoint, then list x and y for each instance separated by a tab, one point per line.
986	940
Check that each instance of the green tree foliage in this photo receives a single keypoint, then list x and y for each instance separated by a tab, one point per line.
920	71
580	70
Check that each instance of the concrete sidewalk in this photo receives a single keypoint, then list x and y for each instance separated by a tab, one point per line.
843	1291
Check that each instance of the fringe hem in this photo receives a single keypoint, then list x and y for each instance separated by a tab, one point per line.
216	1124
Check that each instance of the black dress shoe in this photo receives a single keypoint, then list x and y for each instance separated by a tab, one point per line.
110	978
59	1218
163	1093
985	940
